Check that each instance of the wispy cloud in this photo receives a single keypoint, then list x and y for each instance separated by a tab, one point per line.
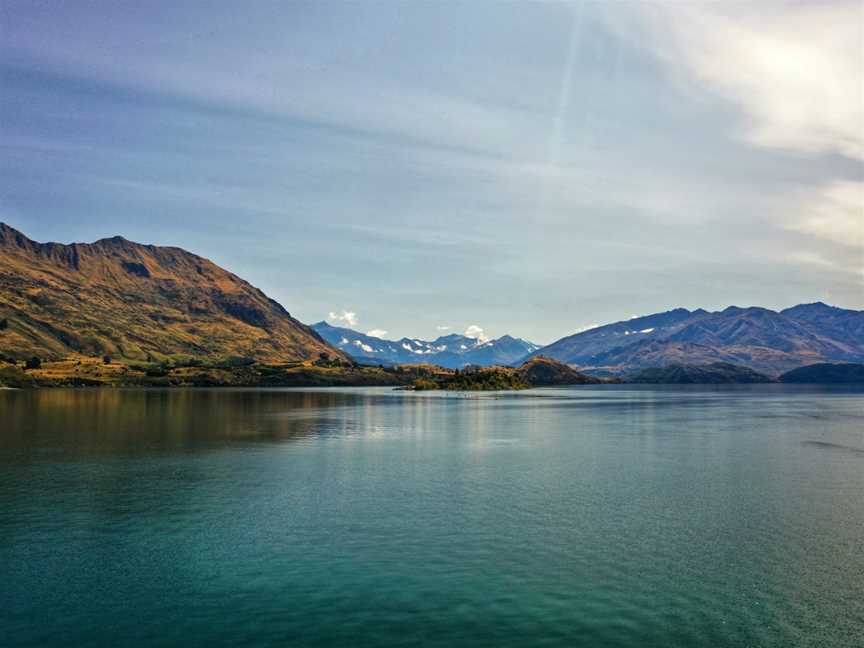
836	214
377	333
794	70
345	318
810	259
442	327
416	157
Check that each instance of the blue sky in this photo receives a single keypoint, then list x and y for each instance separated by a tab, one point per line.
524	168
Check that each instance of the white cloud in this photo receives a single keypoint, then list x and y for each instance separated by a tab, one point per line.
345	318
476	332
810	261
376	333
837	214
795	70
809	258
441	327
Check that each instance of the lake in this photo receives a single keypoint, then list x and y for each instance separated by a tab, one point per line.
586	516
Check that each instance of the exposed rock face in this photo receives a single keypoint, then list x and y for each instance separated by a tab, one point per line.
130	300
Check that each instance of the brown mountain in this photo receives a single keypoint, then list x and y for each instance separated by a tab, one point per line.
137	301
543	372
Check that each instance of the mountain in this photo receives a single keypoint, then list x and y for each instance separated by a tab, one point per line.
826	373
759	338
707	374
841	324
124	299
505	350
578	348
544	372
452	351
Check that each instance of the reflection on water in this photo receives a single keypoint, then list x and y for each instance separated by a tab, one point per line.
611	516
106	421
833	446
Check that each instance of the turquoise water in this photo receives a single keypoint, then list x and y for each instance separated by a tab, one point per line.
589	516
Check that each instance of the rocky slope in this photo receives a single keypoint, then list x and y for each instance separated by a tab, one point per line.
759	338
143	302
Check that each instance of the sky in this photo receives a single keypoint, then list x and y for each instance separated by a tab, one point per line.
415	169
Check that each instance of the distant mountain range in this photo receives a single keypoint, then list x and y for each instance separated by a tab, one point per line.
144	302
766	341
140	302
451	351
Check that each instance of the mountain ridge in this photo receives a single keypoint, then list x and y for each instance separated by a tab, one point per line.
148	302
453	351
764	340
118	297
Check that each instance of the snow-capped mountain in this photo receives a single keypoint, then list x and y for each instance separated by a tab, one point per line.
764	340
453	351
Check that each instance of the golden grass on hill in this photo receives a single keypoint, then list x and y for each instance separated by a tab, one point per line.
138	302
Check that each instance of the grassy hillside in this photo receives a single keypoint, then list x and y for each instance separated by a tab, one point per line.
137	302
87	371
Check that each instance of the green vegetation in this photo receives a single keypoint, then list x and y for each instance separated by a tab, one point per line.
324	360
80	370
825	372
491	379
707	374
238	371
12	376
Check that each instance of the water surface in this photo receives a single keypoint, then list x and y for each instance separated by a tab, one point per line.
590	516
